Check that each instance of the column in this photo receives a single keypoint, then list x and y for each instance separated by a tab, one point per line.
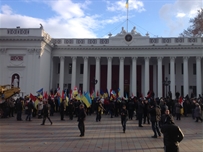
198	75
97	74
134	76
109	73
85	74
73	78
121	76
185	75
61	76
51	72
172	76
146	75
160	81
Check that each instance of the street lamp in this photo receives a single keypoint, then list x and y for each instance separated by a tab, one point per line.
166	83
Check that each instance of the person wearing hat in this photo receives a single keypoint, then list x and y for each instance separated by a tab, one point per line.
172	135
81	119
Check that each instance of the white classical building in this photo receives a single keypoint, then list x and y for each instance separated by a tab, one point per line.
128	61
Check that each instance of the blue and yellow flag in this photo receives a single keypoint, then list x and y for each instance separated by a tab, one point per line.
126	4
85	101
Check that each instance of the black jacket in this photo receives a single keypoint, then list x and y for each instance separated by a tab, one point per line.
172	134
124	113
81	115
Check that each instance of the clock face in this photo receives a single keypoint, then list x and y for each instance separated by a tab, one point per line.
128	37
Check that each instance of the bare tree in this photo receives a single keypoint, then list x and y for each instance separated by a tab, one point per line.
196	29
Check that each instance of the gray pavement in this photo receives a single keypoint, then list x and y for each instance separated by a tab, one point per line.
104	136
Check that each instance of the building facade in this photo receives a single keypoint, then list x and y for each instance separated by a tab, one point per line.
128	61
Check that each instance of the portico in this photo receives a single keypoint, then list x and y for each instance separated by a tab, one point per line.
128	61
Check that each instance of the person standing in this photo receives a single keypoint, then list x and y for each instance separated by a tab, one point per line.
19	109
71	109
178	108
40	108
163	117
131	109
155	115
124	114
29	110
62	109
11	105
198	112
140	112
81	119
172	135
46	110
100	110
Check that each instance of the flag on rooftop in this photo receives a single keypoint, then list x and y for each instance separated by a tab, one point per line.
126	4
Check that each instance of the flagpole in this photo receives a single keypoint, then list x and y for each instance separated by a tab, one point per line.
127	19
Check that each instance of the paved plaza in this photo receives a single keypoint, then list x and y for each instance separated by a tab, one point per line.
104	136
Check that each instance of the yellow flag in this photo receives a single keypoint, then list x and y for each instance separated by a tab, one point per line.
126	4
85	101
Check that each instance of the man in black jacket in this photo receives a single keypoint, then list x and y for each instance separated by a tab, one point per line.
46	111
140	112
124	114
29	111
172	135
81	119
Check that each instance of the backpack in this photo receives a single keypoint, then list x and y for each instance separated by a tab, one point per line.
158	113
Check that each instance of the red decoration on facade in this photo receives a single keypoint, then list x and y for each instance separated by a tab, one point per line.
16	58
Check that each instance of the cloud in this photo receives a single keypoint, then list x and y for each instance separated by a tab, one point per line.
120	5
180	15
71	22
177	15
5	9
65	23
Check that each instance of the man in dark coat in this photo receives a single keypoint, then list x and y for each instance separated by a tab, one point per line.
19	109
140	112
172	135
81	119
155	115
29	110
124	114
62	109
46	111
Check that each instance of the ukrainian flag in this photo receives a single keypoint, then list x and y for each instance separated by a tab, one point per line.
126	4
85	100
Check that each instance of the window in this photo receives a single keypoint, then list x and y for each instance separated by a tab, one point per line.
70	68
58	68
182	91
194	69
81	87
81	68
69	86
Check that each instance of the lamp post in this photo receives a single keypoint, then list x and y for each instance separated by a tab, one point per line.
166	82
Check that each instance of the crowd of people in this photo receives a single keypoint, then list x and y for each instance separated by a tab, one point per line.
155	111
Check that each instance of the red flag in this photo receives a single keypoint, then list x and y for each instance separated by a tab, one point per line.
70	95
33	97
45	95
97	93
62	95
180	100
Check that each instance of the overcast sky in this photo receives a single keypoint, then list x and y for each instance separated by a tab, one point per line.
98	18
